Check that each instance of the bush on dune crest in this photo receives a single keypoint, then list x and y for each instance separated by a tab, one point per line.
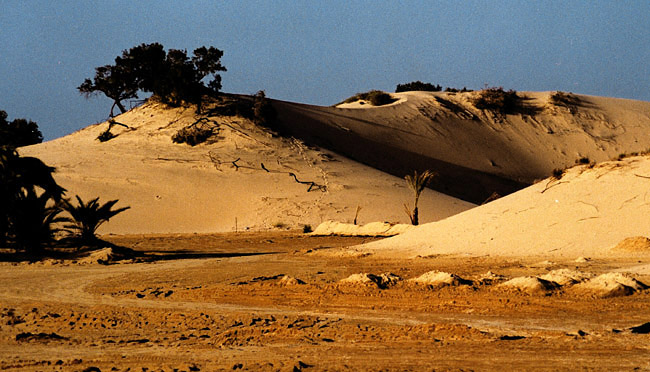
417	86
374	97
172	76
497	99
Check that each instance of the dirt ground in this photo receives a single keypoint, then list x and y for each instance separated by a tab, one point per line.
236	302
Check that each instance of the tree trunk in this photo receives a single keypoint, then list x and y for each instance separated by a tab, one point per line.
119	105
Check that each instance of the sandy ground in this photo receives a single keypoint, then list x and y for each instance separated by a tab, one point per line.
219	302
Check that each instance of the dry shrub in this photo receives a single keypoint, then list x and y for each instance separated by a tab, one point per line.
374	97
499	100
564	99
192	135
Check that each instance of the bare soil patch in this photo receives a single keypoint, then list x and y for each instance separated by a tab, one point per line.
274	302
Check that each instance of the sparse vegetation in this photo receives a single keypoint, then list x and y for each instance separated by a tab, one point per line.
497	99
263	111
558	173
417	86
88	217
171	76
456	90
417	182
18	132
194	134
306	229
28	202
374	97
105	135
583	160
564	99
624	155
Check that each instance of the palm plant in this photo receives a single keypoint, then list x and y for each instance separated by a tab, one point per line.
32	224
87	217
417	183
26	185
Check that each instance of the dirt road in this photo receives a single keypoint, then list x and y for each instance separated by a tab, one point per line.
236	302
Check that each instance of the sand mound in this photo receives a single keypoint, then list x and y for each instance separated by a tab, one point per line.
633	244
612	285
551	219
490	278
242	178
566	277
476	152
381	281
370	229
440	278
289	281
530	284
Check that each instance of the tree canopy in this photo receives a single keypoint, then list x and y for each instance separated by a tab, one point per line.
18	132
172	76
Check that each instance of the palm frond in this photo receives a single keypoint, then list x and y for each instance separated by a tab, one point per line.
87	217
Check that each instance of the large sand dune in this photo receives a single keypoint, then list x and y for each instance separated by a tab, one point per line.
586	213
244	178
477	152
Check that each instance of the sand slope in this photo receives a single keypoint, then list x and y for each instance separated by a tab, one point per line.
242	179
477	152
585	213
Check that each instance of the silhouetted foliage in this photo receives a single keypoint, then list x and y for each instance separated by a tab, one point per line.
105	135
88	217
417	86
33	222
28	197
499	100
558	173
171	76
195	133
263	111
18	132
456	90
374	97
564	99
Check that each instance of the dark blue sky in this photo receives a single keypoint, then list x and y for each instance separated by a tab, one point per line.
321	52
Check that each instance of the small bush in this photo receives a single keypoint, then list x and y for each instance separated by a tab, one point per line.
105	136
306	229
417	86
192	135
583	160
558	173
456	90
375	97
497	99
228	106
263	111
564	99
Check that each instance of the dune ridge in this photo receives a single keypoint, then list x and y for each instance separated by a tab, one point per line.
243	178
477	152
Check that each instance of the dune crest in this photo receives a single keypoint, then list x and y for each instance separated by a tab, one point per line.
477	152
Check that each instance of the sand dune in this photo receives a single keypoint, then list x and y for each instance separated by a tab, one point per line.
477	152
245	178
588	212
